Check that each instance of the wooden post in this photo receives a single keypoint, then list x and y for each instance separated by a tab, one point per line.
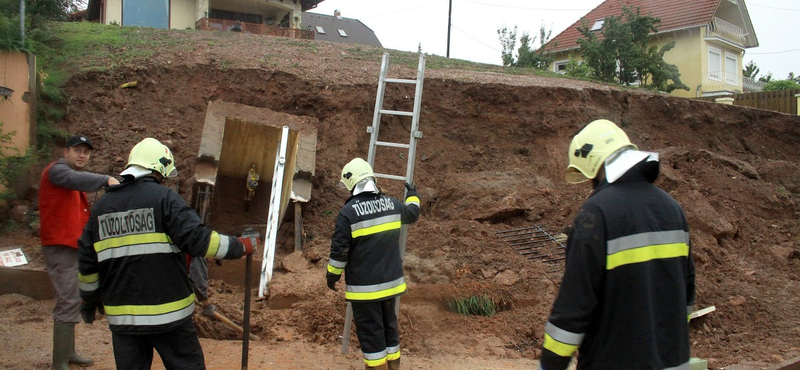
298	226
797	96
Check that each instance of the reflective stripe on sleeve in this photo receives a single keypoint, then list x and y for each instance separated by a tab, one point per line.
377	291
88	283
374	226
336	267
335	270
413	200
217	246
646	247
146	315
561	342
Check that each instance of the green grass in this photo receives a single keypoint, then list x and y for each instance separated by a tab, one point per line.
473	305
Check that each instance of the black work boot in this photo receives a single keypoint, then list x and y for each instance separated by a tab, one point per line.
394	364
74	357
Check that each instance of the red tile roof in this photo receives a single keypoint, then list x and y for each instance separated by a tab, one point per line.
674	15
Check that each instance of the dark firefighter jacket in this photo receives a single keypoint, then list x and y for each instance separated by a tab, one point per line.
131	256
365	245
628	287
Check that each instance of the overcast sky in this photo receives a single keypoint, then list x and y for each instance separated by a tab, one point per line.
405	25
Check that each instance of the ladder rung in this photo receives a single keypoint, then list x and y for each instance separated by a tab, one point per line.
392	177
401	81
396	112
394	145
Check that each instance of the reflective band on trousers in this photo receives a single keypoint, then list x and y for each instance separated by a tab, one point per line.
377	291
392	353
561	342
375	359
646	247
146	315
374	226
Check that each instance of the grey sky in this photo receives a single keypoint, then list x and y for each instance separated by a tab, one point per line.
406	25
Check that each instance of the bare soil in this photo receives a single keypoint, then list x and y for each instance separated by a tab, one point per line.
492	159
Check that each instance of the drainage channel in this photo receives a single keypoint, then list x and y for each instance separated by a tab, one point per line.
536	243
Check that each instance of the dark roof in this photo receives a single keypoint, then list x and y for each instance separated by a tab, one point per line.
309	4
357	32
674	15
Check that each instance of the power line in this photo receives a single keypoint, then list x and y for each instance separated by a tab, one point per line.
772	7
526	8
470	36
775	52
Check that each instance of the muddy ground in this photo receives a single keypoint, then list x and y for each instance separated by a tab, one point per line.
492	159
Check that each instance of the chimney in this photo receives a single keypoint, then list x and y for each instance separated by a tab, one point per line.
337	14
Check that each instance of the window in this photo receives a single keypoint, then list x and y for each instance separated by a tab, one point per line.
714	64
145	13
342	33
598	24
560	66
731	68
320	29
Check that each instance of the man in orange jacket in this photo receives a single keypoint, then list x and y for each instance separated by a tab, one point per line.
63	211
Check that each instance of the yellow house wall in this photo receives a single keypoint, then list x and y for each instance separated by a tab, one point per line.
182	14
15	112
113	12
690	55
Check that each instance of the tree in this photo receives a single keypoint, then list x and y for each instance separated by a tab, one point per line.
767	78
751	70
622	54
781	85
527	56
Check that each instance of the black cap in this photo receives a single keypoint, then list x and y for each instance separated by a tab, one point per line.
78	140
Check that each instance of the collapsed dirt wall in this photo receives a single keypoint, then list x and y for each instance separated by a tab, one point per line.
492	158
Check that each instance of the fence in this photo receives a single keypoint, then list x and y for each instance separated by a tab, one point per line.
210	24
784	101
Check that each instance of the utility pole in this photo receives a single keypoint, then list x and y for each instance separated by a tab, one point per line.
22	22
449	15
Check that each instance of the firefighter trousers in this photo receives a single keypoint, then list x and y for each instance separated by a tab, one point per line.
178	348
376	326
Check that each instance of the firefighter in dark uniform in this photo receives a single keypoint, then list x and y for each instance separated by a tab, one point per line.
628	287
132	263
366	247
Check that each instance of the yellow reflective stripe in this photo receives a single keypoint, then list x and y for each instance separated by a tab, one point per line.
561	349
150	309
213	245
393	356
335	270
368	296
131	240
88	279
645	254
412	199
375	363
376	229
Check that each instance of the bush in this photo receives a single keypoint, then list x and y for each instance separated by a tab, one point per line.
781	85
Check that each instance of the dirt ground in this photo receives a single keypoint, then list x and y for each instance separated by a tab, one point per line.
492	159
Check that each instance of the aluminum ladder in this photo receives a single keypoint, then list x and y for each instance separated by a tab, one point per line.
374	143
271	233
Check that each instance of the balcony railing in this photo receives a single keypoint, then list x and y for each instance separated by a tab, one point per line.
752	85
210	24
727	30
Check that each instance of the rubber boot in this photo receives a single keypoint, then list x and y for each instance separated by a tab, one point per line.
394	364
74	357
61	345
379	367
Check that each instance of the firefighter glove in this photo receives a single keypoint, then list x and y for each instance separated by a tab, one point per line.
88	311
411	190
332	279
250	240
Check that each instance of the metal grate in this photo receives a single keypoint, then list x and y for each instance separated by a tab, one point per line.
536	243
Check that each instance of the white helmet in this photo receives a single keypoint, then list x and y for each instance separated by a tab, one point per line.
591	147
355	171
152	155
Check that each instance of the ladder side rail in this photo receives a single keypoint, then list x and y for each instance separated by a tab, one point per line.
376	118
274	214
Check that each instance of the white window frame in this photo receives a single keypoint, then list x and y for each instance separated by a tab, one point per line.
342	33
598	25
715	72
732	77
558	63
320	29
